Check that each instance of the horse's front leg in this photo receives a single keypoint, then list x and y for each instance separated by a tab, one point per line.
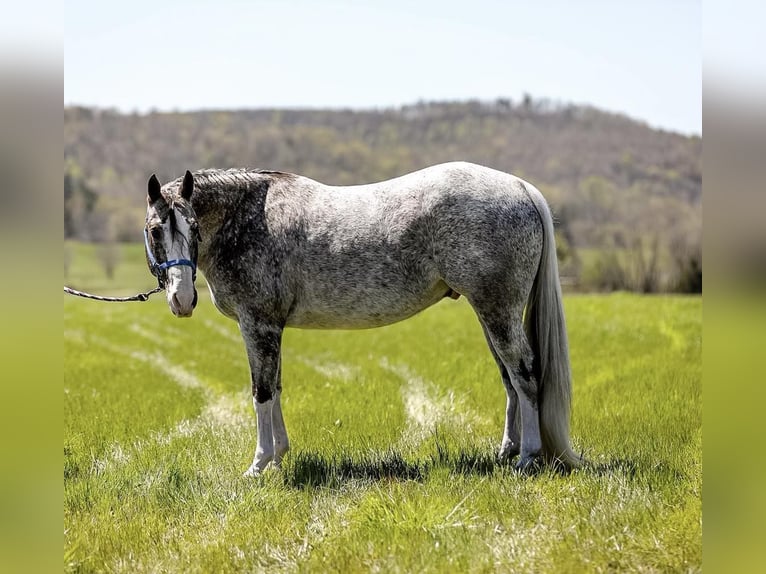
281	442
263	342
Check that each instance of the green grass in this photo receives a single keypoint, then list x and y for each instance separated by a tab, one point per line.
393	431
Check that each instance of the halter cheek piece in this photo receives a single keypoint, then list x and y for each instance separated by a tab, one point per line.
158	268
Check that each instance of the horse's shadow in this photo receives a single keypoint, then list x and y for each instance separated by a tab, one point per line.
311	469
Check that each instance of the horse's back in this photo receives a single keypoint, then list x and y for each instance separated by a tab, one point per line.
458	196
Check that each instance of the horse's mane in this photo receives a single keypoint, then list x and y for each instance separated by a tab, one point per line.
223	178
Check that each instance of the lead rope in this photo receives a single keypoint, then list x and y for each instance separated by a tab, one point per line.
138	297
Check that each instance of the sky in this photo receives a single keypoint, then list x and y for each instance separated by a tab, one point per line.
641	58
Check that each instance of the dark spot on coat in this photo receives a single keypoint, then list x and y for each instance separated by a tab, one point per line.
261	393
528	383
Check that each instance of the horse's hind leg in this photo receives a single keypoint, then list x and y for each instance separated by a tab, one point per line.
510	446
509	341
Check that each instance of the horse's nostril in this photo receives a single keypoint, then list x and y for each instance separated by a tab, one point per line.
176	303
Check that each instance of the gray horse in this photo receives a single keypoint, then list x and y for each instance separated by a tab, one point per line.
281	250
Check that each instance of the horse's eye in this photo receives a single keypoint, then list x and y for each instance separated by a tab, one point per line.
156	233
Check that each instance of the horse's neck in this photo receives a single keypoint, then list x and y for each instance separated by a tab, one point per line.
210	213
214	205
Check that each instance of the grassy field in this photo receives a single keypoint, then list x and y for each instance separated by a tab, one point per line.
394	432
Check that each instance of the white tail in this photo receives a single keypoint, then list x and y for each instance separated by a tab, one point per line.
546	330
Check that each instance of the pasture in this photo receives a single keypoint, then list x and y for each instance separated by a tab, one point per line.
393	432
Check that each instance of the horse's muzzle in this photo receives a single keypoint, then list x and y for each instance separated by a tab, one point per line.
181	304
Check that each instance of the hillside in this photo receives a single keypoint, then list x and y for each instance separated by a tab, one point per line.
627	197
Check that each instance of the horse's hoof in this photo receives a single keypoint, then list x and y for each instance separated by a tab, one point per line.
507	454
529	465
252	472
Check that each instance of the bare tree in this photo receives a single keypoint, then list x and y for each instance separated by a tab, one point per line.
645	255
687	256
110	255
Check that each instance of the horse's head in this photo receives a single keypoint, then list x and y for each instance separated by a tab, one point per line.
171	236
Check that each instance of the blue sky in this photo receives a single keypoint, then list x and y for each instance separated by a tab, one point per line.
641	58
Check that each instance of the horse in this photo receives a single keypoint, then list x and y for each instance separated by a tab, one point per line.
281	250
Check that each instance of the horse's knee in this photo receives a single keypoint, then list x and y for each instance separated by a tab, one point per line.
263	387
263	352
262	393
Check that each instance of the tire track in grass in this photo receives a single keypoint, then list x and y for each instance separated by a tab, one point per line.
169	337
331	369
222	331
426	406
222	412
327	519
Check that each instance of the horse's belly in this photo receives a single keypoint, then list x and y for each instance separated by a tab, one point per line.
362	309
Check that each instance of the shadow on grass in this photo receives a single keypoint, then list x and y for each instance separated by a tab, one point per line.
636	470
613	466
441	452
312	469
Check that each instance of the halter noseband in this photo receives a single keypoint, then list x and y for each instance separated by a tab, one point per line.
158	268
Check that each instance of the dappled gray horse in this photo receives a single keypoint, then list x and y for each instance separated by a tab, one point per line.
281	250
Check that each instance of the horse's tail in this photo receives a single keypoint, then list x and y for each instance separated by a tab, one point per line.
546	330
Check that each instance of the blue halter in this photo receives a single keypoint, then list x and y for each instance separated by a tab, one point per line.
156	268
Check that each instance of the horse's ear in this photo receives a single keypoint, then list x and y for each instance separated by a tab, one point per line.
154	189
188	186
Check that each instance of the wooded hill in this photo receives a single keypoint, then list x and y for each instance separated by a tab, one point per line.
627	197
